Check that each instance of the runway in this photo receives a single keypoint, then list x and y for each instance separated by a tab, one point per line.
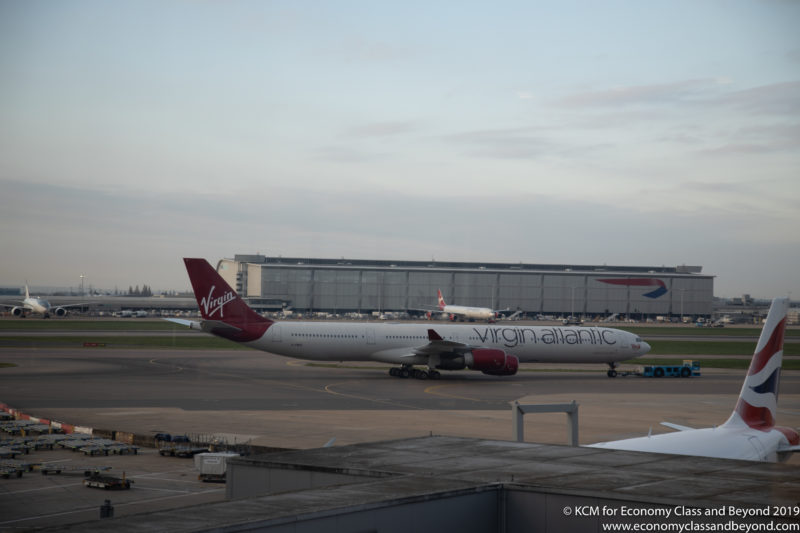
287	403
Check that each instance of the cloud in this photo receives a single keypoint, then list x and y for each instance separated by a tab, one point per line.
123	238
675	92
511	143
383	129
773	99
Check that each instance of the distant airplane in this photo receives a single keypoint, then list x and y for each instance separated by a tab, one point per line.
38	306
462	312
493	350
750	433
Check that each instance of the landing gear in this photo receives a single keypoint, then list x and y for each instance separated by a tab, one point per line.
612	370
408	371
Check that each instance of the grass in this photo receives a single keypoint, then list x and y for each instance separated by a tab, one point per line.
699	347
58	324
645	331
180	342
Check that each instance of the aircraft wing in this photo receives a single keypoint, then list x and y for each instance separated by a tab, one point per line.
424	309
71	305
789	449
442	347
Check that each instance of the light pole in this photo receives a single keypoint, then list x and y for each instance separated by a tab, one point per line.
682	291
81	284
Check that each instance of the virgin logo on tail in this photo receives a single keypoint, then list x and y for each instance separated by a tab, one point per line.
211	305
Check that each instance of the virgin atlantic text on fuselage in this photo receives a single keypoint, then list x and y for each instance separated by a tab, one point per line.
511	337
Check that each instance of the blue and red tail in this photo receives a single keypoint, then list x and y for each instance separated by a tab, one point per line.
224	312
758	401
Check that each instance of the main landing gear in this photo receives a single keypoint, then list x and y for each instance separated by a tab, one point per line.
612	370
408	371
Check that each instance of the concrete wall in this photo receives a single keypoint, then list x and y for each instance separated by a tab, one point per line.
246	479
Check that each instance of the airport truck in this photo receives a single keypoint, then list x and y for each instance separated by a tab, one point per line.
688	369
213	466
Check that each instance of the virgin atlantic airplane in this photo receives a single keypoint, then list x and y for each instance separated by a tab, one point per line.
491	349
750	433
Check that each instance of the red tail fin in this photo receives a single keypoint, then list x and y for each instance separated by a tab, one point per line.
441	299
220	304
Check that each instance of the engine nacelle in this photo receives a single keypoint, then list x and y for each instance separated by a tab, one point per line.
17	311
60	311
493	362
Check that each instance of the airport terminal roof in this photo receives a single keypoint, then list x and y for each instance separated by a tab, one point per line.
409	472
377	263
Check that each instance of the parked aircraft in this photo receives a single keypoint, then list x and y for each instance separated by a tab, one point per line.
39	306
750	433
462	312
493	350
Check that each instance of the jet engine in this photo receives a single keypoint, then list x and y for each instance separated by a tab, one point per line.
492	362
60	311
18	311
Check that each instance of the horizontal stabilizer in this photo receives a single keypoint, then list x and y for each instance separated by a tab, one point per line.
208	326
677	426
191	324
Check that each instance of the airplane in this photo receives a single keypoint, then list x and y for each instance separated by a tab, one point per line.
750	432
462	312
493	350
39	306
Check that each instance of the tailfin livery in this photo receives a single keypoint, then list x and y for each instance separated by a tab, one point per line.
442	305
758	400
750	432
224	312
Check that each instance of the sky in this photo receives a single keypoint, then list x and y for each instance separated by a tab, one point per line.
135	133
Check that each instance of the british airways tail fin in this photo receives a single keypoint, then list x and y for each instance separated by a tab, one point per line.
224	312
758	401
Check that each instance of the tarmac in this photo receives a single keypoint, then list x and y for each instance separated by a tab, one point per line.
248	396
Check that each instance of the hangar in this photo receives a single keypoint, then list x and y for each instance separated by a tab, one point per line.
366	286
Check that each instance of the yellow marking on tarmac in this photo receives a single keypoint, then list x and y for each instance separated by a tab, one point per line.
432	390
157	362
295	363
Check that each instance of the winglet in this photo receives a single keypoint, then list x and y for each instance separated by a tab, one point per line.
433	336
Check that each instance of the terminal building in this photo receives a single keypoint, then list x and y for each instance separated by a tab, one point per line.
342	286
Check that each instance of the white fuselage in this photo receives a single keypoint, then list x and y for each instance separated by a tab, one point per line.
475	313
37	305
399	343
